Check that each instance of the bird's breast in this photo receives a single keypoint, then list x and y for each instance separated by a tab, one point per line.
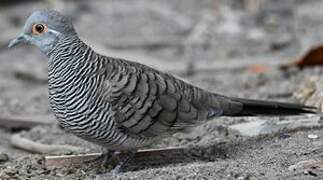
73	98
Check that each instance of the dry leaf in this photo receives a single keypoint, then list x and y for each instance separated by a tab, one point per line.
313	57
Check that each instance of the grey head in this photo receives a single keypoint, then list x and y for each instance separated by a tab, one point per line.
44	28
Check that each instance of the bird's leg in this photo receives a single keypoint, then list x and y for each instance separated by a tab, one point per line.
107	156
103	159
122	163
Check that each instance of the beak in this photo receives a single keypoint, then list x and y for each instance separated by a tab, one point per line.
20	39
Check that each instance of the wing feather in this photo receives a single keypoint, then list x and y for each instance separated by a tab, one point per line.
148	103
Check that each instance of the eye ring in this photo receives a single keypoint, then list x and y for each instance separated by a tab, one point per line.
39	28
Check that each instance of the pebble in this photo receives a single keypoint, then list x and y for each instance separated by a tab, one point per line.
3	157
312	136
303	165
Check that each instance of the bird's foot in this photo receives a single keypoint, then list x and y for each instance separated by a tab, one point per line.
101	160
117	171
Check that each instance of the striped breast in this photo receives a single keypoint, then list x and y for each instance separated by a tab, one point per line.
76	92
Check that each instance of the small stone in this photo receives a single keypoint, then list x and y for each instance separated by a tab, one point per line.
284	136
3	157
10	171
303	165
312	136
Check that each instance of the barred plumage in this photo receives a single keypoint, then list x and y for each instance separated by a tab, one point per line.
124	105
77	94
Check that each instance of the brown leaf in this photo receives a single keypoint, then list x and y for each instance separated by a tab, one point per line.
313	57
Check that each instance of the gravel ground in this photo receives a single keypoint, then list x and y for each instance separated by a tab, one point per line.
273	33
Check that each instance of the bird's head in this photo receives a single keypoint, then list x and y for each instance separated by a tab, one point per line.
44	28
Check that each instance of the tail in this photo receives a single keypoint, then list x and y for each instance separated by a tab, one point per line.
268	108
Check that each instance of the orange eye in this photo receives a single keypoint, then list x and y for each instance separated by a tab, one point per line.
39	29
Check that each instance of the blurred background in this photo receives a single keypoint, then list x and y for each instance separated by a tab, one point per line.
214	44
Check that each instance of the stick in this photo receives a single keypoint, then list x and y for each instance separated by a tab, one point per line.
36	147
141	158
22	122
69	160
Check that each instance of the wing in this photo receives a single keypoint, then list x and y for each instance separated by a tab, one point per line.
148	103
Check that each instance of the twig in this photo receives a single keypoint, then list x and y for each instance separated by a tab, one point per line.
69	160
36	147
23	122
142	158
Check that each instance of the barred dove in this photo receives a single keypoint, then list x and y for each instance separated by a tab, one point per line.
119	104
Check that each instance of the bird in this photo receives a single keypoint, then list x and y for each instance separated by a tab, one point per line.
123	105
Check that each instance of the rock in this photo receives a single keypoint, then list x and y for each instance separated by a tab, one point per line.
3	157
302	165
312	136
258	127
252	128
308	167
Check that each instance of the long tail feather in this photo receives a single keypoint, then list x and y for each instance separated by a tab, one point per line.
259	107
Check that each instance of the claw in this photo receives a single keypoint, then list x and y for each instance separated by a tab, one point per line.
102	160
117	171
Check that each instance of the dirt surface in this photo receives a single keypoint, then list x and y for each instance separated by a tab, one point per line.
157	33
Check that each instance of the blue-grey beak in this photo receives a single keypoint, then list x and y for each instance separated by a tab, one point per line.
20	39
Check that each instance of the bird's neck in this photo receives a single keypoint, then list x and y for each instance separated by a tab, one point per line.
70	52
65	45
